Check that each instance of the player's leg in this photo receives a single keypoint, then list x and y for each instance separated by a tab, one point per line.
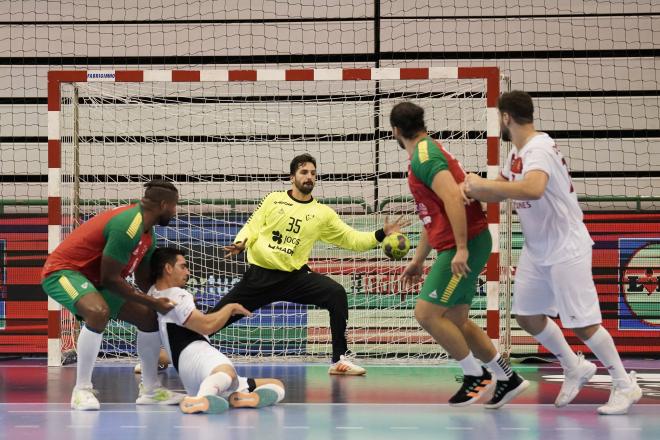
208	376
579	309
253	291
508	383
307	287
533	301
257	393
148	349
163	362
77	294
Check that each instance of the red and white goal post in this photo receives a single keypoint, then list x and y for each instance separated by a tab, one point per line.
225	138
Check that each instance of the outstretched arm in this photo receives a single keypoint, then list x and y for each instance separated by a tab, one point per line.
531	187
211	323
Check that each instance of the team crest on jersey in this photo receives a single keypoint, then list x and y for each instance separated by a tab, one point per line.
516	165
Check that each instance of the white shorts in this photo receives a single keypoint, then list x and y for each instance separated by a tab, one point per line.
566	289
197	361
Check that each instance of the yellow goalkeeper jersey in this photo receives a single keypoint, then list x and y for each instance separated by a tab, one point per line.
281	232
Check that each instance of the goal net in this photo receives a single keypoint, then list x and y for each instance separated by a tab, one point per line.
225	139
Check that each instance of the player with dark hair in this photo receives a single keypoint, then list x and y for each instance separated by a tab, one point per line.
279	237
554	272
207	375
87	273
461	238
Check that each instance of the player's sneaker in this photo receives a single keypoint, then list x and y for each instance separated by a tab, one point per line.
621	399
158	396
138	368
345	367
205	404
506	390
84	399
574	380
473	389
257	399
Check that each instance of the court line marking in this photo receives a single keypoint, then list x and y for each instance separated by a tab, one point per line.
295	427
404	427
27	426
133	426
166	411
349	427
462	428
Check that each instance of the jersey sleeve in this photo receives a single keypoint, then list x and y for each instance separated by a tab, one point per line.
250	229
538	159
185	305
338	233
427	161
119	245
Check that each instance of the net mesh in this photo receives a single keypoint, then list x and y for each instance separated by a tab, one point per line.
227	145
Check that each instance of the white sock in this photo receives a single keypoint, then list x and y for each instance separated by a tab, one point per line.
500	368
602	345
470	365
553	339
89	344
278	389
148	348
215	384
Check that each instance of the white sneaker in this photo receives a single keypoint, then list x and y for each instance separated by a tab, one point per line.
574	380
621	399
158	396
345	367
84	399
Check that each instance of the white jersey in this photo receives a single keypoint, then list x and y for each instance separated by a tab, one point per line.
192	354
552	225
174	336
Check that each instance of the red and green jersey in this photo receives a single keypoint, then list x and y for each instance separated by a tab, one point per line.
428	159
118	233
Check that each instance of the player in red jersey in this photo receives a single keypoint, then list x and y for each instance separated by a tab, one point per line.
461	238
87	274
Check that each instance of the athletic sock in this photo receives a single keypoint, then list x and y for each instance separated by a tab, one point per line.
552	338
470	365
89	344
602	345
148	349
215	384
500	368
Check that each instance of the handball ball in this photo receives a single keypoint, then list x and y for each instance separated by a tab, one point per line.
396	246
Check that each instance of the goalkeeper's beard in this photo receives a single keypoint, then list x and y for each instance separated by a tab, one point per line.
304	189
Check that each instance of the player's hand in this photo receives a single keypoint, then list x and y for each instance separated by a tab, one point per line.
471	184
164	305
396	226
237	309
459	264
234	248
411	275
466	200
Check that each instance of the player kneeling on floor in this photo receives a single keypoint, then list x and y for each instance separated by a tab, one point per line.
208	376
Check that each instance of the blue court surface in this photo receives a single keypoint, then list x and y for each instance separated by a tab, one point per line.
391	402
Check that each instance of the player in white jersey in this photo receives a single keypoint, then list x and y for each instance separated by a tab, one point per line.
207	375
554	273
